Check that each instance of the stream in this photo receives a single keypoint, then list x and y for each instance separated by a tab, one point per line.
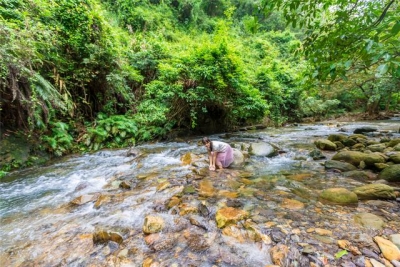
89	210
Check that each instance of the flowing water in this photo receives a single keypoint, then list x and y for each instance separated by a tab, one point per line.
40	226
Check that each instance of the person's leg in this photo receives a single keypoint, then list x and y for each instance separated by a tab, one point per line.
228	157
220	160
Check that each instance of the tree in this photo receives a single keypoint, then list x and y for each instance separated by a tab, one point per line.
341	35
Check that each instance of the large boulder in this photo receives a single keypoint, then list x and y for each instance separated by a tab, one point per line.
355	157
238	158
262	149
375	191
338	165
325	144
339	196
365	129
391	173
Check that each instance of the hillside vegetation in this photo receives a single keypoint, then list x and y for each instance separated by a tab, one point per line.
80	75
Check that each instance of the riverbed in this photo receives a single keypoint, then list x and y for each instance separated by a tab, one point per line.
52	215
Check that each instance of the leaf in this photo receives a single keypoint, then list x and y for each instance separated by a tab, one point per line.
382	69
340	254
396	28
347	64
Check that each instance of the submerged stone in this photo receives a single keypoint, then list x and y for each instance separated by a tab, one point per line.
153	224
229	215
369	220
375	191
339	196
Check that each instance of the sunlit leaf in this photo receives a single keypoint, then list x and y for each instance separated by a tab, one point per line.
340	254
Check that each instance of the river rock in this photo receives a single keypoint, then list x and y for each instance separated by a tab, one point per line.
395	157
292	204
365	129
375	263
196	241
345	244
394	142
381	166
339	196
158	242
206	189
153	224
262	149
337	137
356	157
375	191
238	158
338	165
391	173
369	220
229	215
396	147
316	154
377	147
395	239
279	254
85	199
389	250
358	175
186	208
349	142
102	200
325	144
105	236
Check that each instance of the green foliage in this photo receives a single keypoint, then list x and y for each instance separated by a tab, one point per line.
59	141
319	108
2	174
346	35
113	131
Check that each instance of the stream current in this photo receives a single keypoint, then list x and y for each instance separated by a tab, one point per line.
40	227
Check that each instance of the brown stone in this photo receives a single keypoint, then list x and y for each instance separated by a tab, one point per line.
292	204
321	231
229	215
153	224
185	208
278	254
389	250
206	189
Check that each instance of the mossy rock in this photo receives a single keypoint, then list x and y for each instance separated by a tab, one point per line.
395	157
338	165
394	142
375	191
390	173
337	137
355	157
339	196
325	144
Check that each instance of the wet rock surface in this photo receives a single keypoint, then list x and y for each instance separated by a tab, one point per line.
163	207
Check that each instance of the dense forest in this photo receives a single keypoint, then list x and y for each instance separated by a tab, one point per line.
80	75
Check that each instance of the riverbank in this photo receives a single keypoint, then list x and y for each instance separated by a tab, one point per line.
18	151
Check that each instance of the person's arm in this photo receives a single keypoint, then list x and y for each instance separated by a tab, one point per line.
214	159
